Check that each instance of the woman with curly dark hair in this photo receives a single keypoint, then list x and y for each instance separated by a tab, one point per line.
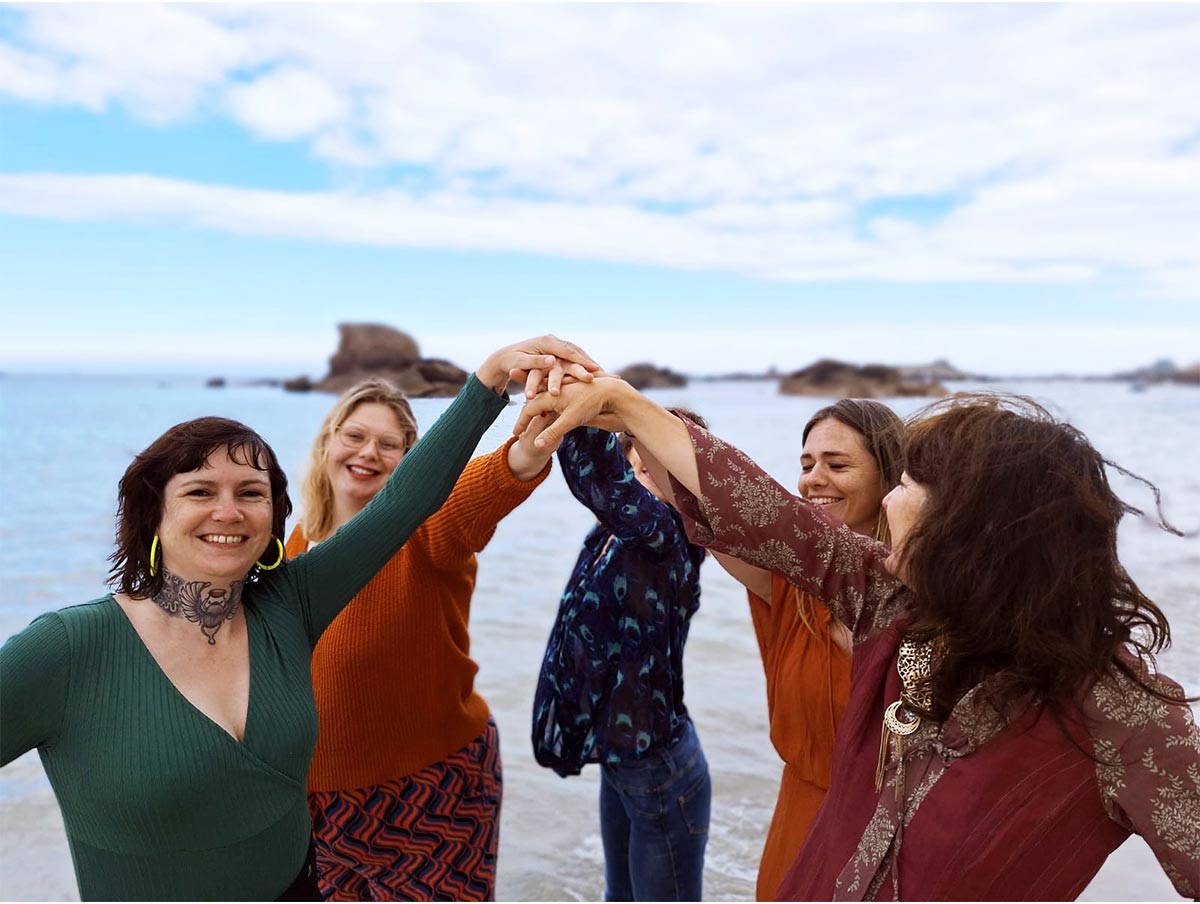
175	715
1007	729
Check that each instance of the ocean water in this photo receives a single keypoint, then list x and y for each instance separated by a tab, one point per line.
66	441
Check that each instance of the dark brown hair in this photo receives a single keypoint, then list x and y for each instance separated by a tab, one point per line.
1013	560
882	434
183	448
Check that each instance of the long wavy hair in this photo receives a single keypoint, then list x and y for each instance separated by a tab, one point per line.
316	492
183	448
1013	561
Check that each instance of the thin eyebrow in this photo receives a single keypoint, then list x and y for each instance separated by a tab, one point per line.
209	482
833	454
357	426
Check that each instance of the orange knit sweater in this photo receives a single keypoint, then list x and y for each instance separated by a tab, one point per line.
392	675
808	684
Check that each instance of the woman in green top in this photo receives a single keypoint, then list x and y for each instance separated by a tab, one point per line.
175	717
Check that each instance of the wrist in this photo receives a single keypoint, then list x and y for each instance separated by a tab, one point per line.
523	464
492	376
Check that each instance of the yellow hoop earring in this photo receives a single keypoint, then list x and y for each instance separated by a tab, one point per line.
278	561
153	552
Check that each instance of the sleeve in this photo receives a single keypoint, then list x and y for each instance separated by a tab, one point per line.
484	495
1148	770
35	672
329	575
745	513
599	475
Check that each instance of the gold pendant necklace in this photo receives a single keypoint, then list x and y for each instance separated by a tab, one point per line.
900	719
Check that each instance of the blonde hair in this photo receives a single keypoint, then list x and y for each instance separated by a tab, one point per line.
316	492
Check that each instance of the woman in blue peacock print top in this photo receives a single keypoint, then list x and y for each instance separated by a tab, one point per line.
611	684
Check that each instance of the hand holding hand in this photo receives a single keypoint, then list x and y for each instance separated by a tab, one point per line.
577	404
542	355
552	380
526	460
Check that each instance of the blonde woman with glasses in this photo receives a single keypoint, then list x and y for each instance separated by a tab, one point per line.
405	783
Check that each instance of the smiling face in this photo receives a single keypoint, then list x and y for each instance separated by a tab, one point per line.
903	506
361	456
216	520
841	476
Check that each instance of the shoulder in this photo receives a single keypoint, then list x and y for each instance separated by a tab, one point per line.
83	618
55	636
1136	697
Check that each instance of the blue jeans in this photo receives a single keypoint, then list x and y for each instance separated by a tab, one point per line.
654	823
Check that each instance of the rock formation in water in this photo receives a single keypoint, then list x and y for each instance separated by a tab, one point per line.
649	376
838	379
374	350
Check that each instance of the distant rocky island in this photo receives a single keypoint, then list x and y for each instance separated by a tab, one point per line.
648	376
838	379
374	349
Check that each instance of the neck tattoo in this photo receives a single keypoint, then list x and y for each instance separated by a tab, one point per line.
200	602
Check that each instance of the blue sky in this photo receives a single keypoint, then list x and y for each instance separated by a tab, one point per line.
212	189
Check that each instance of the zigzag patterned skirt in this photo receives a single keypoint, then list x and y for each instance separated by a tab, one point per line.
429	836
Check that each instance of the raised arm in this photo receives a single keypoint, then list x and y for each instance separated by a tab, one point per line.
490	487
599	475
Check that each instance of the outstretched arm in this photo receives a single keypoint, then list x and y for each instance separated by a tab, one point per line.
600	476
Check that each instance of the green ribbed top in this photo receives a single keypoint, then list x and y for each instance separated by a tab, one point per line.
158	801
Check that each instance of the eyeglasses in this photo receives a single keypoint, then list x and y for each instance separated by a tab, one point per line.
356	438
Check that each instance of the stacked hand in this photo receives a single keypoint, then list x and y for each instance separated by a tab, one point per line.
577	403
544	360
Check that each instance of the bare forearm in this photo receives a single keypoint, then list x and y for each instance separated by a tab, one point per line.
659	433
756	580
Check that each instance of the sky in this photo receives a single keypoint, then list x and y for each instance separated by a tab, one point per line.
211	188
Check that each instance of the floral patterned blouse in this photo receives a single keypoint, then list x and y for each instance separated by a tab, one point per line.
976	810
611	685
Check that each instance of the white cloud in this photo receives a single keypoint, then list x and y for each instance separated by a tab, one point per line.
1056	129
286	104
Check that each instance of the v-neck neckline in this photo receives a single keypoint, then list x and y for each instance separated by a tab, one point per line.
181	695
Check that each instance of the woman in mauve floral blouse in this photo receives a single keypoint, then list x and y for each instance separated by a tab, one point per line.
1006	729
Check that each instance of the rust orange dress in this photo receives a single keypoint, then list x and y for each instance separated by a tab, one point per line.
808	683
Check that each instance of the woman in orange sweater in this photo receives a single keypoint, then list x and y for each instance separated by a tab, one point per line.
405	784
851	458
